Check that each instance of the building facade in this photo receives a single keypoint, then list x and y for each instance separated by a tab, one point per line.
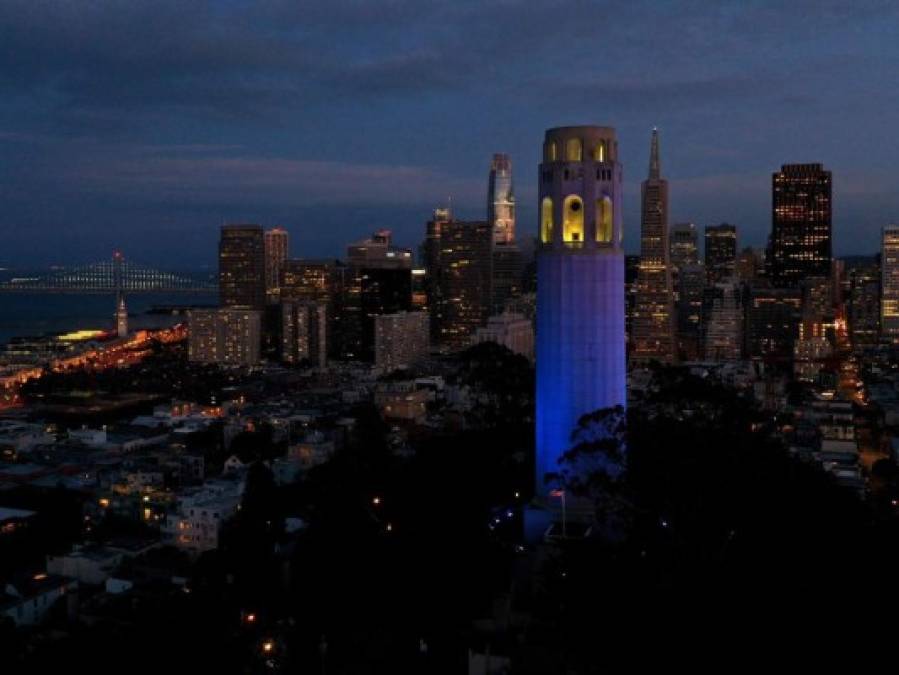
772	322
304	333
580	291
653	323
889	284
684	246
226	336
513	331
720	252
863	305
402	339
723	322
460	270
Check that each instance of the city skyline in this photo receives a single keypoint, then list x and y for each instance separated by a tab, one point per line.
94	135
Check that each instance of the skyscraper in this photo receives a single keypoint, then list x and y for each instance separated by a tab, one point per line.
720	252
508	268
800	244
723	322
242	267
691	281
889	283
684	249
500	200
276	246
864	305
653	336
459	259
580	290
378	281
304	332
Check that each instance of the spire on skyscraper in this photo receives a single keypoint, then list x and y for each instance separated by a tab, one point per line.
655	171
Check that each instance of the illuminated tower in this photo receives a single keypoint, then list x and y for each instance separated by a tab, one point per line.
500	200
121	317
580	288
121	310
653	325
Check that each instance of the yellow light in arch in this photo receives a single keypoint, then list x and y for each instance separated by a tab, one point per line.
573	219
546	220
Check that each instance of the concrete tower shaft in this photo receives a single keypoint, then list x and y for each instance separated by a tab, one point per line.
580	287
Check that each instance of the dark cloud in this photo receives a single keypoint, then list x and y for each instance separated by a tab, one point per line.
144	112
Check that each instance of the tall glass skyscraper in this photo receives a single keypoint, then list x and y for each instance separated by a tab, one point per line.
580	290
500	200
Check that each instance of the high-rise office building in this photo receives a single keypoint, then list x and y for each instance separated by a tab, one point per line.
378	251
378	281
308	280
430	254
772	321
276	244
242	267
508	264
692	284
459	259
501	200
800	243
320	281
864	305
653	326
304	332
889	284
631	272
811	350
226	336
580	294
720	252
750	264
723	322
402	339
684	249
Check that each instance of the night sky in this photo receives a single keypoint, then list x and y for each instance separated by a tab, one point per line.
145	125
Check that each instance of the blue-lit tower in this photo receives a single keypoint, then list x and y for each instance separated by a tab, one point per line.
580	287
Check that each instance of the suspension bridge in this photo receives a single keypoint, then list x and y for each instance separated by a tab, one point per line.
116	275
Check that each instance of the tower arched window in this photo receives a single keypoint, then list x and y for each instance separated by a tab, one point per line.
604	220
551	151
599	152
546	220
573	219
574	150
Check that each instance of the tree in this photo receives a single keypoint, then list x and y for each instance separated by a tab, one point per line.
594	467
